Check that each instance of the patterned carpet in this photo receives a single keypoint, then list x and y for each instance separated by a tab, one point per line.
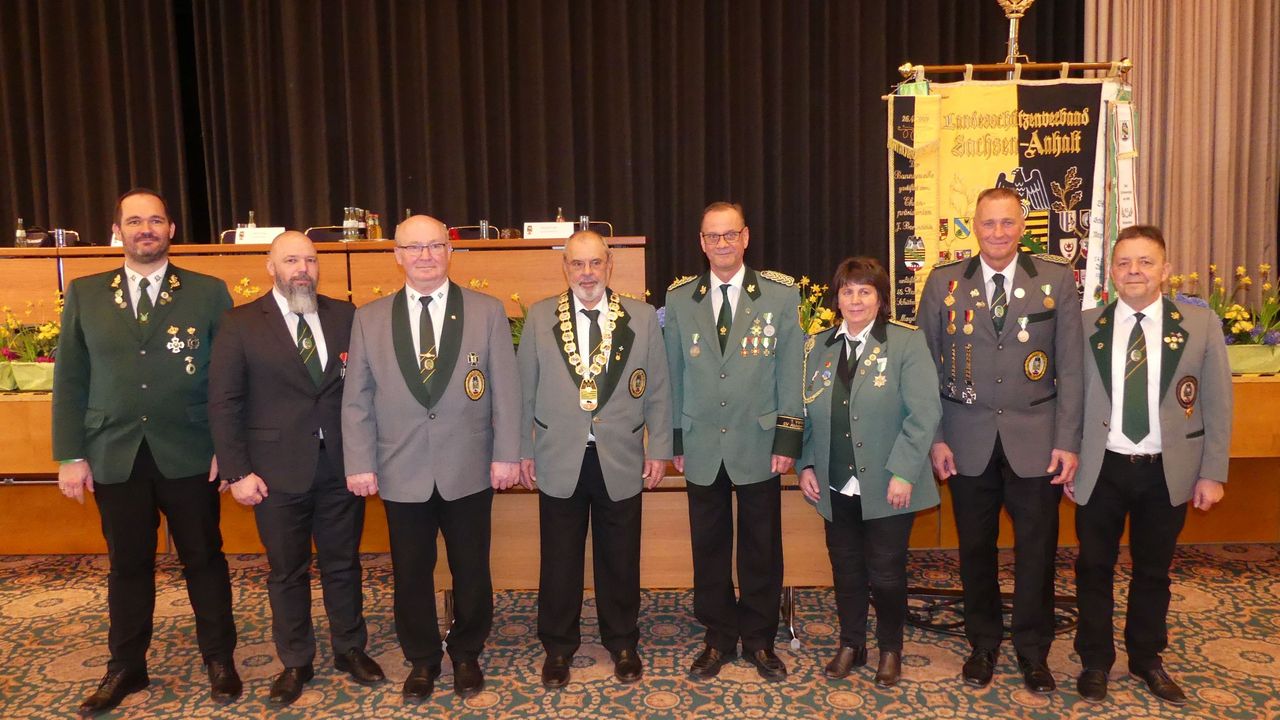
1225	618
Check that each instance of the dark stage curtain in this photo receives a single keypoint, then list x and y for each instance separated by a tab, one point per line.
89	107
639	113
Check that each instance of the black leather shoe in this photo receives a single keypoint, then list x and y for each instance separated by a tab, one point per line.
979	667
845	660
1161	685
555	671
362	668
890	670
627	666
1036	676
468	679
224	681
288	685
707	665
768	665
420	683
115	686
1092	685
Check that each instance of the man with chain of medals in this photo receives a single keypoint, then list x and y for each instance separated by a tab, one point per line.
594	373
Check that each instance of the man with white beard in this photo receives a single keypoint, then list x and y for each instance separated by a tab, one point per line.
275	401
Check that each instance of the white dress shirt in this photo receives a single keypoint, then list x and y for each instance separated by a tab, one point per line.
313	321
735	292
852	486
439	297
1152	329
989	284
133	278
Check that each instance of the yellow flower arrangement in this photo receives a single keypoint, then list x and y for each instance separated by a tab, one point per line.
22	341
814	318
1242	323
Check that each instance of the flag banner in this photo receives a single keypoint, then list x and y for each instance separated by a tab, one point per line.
1047	140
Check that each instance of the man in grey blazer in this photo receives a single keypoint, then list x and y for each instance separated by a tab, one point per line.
734	348
594	374
1157	430
1005	329
430	420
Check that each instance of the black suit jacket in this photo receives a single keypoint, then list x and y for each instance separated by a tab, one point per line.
265	412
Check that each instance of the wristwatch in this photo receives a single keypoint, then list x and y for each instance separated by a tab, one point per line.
236	479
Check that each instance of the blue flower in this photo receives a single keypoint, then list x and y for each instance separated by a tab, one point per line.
662	317
1192	300
1231	339
1271	338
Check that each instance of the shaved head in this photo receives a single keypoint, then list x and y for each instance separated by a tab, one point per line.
295	269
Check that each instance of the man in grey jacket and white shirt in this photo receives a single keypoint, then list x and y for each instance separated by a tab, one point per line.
430	419
1157	435
594	372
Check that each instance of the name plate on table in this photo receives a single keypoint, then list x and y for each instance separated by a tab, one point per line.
256	236
547	230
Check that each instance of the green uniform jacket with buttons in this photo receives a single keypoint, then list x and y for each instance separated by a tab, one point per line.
893	412
1029	392
729	407
117	382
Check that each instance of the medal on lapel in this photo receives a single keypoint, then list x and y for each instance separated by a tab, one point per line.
1047	289
695	349
342	371
968	322
191	365
951	322
880	379
193	342
1023	335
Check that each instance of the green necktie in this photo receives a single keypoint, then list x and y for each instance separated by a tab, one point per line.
1135	420
725	319
999	303
308	350
594	336
426	340
848	360
144	301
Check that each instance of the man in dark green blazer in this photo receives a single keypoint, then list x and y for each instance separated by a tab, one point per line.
733	344
131	425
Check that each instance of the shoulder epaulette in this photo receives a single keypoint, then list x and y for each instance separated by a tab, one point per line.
948	263
1058	259
682	280
780	278
901	324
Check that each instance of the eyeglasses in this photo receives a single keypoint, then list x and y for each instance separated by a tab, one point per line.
714	239
416	250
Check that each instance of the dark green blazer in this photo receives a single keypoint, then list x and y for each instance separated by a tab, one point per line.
893	409
117	382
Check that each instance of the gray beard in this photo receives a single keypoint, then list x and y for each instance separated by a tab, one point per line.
301	299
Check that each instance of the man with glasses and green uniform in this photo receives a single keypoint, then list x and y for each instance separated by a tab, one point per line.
734	349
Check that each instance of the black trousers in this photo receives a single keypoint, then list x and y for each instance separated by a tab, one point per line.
753	614
412	528
287	522
1033	505
130	514
869	558
1136	490
615	548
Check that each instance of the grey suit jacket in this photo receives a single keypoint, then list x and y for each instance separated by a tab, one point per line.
439	435
1195	398
1030	393
634	394
892	419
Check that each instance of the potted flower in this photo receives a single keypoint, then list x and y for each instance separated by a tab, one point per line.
28	350
1251	331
